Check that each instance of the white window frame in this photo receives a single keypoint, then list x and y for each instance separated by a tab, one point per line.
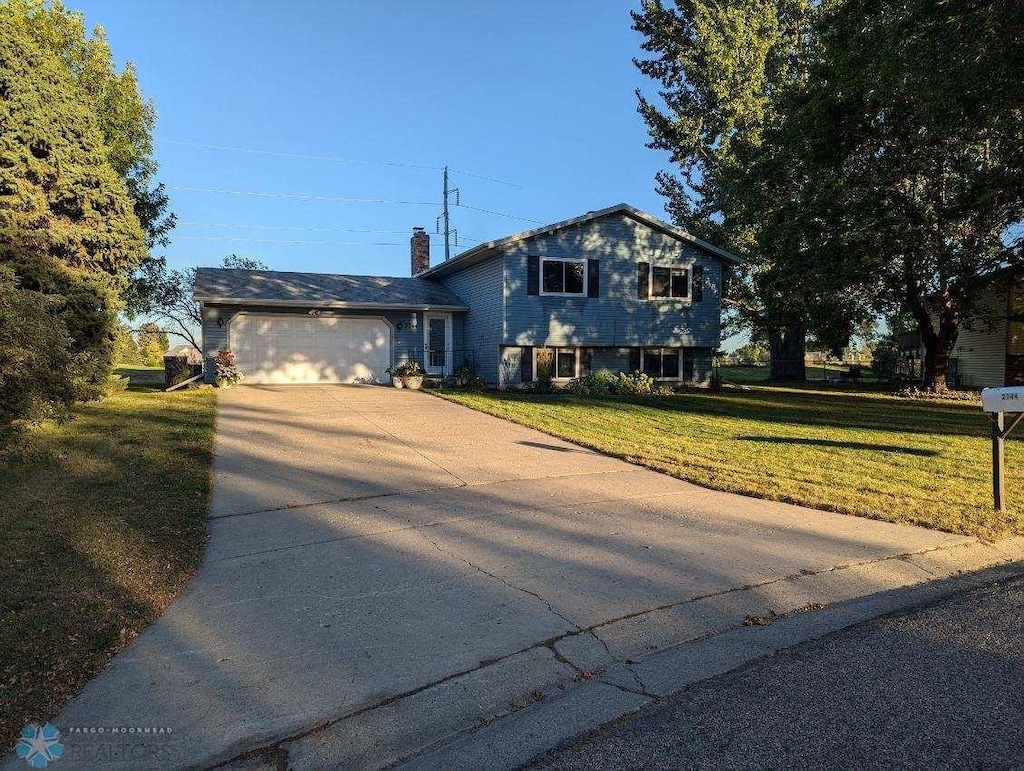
679	360
689	283
556	348
563	260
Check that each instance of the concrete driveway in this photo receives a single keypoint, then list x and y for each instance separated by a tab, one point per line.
387	570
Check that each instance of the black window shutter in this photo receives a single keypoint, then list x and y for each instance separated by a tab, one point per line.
526	364
643	280
593	278
533	275
586	360
698	283
634	359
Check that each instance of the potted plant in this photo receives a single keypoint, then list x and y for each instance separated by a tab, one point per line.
411	374
225	369
396	378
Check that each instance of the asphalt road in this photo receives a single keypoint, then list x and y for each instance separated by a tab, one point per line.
936	687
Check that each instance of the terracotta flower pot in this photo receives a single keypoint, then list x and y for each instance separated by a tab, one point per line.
414	383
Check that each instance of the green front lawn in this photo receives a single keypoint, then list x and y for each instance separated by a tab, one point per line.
104	522
814	374
138	375
921	462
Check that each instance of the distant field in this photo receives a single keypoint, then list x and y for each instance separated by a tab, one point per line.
816	373
139	375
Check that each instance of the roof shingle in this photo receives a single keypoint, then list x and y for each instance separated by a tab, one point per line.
282	287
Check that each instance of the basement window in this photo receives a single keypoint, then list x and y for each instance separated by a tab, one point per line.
661	363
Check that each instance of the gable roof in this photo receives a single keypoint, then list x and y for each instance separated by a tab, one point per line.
481	252
324	290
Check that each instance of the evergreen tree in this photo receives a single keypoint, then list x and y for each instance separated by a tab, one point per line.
67	226
721	66
123	115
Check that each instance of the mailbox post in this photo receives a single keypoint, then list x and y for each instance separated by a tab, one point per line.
996	402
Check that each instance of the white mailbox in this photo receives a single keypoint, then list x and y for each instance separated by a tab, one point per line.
1003	399
997	402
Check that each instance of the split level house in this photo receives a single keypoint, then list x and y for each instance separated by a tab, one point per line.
611	290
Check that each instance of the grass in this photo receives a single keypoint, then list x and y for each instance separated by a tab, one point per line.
104	522
814	374
869	454
138	374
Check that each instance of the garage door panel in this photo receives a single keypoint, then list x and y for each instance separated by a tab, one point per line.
305	350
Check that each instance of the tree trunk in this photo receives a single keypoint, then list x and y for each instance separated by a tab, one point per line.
937	348
787	349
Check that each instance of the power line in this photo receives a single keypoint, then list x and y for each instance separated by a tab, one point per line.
304	228
289	241
286	227
499	214
298	196
340	199
305	156
332	158
487	179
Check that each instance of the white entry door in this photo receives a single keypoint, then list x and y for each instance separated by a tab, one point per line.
303	349
437	343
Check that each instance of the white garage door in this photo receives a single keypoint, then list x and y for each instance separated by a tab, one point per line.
302	349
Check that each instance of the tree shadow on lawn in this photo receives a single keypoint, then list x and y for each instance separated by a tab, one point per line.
840	445
842	411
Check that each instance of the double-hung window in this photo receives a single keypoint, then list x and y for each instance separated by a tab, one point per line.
563	277
669	282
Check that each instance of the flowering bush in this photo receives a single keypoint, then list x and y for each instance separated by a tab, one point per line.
594	384
225	369
633	384
948	395
409	368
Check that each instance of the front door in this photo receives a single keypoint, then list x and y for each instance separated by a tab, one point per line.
437	343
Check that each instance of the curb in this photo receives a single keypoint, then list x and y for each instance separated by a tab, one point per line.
524	737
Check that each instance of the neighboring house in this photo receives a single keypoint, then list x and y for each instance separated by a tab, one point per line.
989	348
613	290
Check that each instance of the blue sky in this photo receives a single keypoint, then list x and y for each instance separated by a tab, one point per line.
538	94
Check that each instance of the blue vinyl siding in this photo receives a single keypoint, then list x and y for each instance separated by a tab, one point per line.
480	288
617	317
611	360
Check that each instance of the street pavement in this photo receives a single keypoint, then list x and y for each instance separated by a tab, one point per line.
938	687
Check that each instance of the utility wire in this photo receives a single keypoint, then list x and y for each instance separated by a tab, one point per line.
332	158
306	197
288	241
499	214
298	196
305	156
248	226
294	241
286	227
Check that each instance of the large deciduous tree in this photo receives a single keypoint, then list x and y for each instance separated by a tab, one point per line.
174	307
908	146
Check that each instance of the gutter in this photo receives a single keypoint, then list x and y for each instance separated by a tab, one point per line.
339	304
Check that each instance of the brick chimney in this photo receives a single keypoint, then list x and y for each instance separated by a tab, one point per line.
419	248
